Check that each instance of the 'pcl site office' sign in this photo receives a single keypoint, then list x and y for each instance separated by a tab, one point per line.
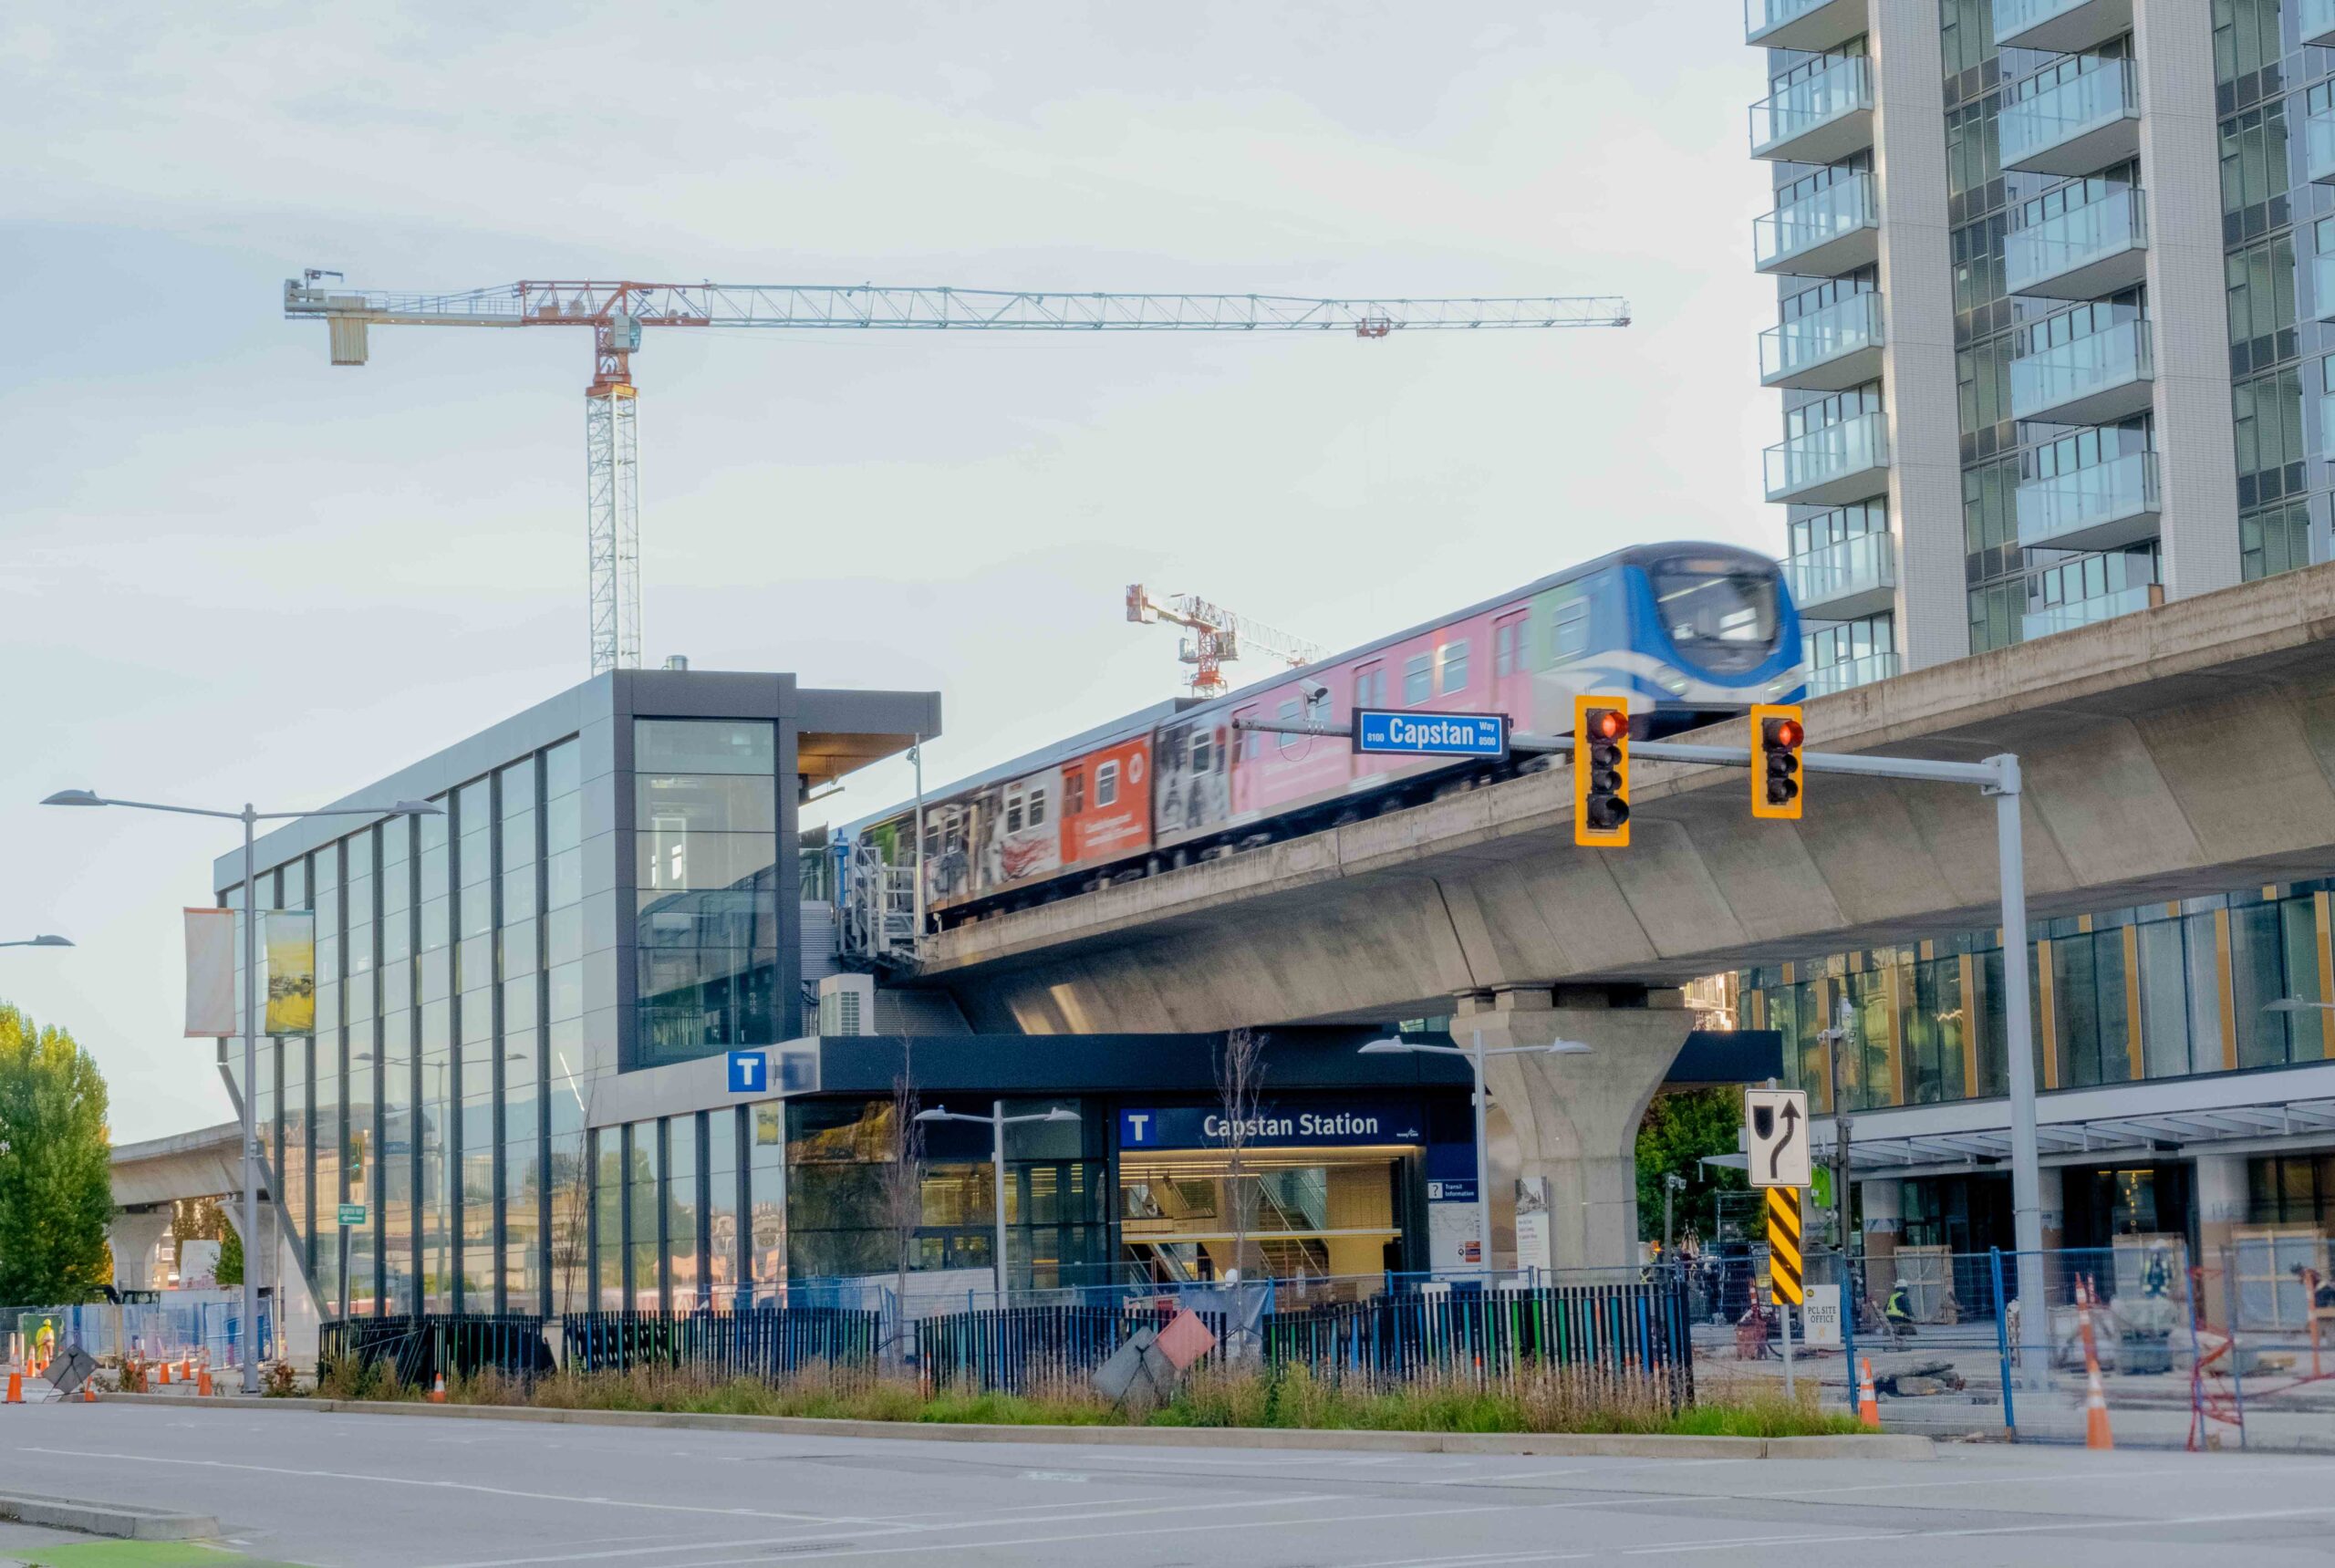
1417	734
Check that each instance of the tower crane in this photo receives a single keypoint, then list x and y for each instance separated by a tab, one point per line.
1219	636
617	313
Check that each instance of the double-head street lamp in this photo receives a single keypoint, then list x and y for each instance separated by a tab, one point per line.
249	818
39	942
997	1121
1473	1056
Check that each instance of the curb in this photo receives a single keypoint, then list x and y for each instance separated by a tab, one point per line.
118	1520
1568	1445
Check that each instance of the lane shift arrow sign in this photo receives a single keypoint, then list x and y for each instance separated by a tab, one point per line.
1791	1125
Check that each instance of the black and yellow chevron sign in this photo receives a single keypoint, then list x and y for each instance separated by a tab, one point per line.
1783	1247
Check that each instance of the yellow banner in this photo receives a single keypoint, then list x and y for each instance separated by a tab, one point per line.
290	969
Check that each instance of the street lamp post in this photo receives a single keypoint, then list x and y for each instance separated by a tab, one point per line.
996	1122
250	819
39	942
1473	1056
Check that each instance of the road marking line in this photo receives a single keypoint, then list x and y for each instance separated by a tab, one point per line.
453	1486
762	1560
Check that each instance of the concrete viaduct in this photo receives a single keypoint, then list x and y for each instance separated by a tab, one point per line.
2182	749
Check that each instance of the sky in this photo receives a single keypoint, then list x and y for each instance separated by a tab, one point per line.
230	571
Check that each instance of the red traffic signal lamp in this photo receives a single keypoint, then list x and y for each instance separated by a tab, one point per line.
1777	736
1601	772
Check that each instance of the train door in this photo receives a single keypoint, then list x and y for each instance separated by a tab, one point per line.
1511	666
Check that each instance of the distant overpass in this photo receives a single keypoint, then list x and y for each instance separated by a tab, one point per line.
2178	750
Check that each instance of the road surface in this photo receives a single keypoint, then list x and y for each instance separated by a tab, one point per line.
373	1491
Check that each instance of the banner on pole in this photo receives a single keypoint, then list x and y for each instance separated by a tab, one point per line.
291	970
210	972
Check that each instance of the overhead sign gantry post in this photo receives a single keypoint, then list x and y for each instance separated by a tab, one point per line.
1997	778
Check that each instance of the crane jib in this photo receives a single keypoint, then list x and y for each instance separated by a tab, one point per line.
618	310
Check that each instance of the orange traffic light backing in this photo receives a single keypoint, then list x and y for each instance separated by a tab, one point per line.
1777	736
1601	772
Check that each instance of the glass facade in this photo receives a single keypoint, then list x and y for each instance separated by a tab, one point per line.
444	1092
705	795
2163	991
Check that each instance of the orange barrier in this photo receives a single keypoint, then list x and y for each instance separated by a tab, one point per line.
1868	1403
2096	1434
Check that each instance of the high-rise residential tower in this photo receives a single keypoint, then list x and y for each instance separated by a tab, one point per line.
2038	327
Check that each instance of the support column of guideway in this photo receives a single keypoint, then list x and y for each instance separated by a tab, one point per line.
1576	1118
134	1234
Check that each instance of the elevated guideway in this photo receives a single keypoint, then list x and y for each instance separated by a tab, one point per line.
2177	750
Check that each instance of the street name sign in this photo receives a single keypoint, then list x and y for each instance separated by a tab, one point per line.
1415	735
1775	1136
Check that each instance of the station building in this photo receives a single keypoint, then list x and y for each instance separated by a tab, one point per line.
517	1097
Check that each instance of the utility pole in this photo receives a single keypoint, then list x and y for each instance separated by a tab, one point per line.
1838	1036
1672	1185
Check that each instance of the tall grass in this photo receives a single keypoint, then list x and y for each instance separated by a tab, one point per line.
1552	1399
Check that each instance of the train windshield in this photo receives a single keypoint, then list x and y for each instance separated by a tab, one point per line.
1719	613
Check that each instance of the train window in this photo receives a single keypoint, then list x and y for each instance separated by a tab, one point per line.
1722	614
1014	811
1569	630
1455	667
1199	752
1073	793
1370	686
1037	805
1106	783
1419	679
1508	646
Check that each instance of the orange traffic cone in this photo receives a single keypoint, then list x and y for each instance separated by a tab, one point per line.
438	1390
1868	1403
203	1381
15	1386
2096	1434
166	1374
89	1392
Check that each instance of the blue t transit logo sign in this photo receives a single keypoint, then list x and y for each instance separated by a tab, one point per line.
1430	734
748	1073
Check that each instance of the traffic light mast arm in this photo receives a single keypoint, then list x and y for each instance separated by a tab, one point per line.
1996	775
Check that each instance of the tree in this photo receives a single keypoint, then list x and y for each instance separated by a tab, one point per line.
230	1271
56	1166
1239	1081
1677	1131
903	1183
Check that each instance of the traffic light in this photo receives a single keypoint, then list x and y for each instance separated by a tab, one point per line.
1777	735
1601	772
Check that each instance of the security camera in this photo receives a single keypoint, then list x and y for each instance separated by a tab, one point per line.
1315	691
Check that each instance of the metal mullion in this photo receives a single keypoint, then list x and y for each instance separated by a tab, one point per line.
497	1113
544	1247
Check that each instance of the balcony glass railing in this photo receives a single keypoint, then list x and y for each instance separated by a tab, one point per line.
2013	18
1844	326
2078	383
2070	242
1834	212
2319	22
2322	287
1830	457
1865	565
2046	619
2318	146
2048	110
2085	501
1792	111
1825	678
1761	17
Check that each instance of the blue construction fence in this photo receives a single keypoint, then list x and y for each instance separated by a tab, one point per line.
164	1331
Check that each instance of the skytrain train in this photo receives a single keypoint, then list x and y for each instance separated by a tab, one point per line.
1691	632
